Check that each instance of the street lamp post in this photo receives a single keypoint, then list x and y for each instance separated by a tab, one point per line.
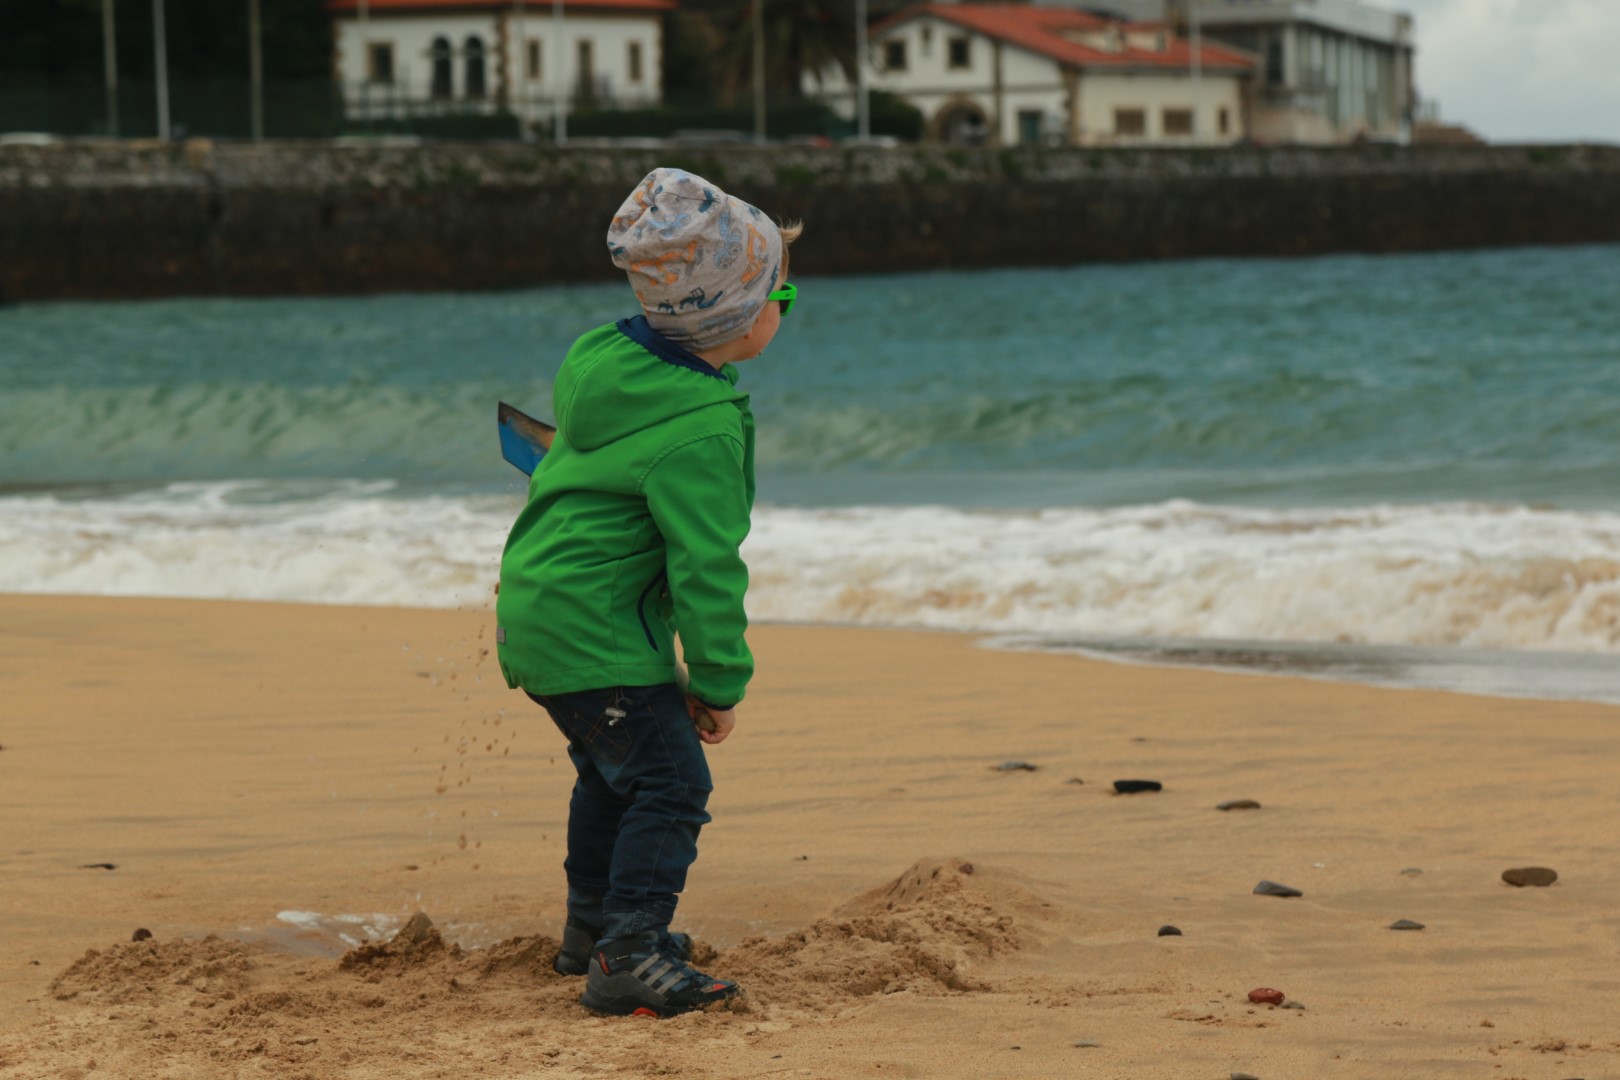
863	104
521	67
560	104
109	60
160	54
1197	67
759	71
256	63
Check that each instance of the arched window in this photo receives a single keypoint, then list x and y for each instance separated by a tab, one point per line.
477	87
441	67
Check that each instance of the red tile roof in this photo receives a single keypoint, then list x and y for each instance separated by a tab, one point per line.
536	7
1044	30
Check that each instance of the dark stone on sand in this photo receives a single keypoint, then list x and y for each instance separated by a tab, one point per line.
1131	787
1088	1043
1074	780
1293	1004
1538	876
1405	924
1243	1076
1169	931
1238	804
1412	871
1015	766
965	868
99	866
1271	888
143	934
1265	995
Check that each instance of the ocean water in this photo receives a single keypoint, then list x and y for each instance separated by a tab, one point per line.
1400	469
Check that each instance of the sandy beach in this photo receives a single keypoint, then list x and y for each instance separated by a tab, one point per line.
254	783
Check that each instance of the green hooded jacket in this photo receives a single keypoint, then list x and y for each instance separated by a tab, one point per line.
632	527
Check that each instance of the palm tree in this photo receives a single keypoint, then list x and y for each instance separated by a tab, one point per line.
801	37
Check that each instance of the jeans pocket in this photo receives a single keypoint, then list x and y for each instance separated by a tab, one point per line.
598	725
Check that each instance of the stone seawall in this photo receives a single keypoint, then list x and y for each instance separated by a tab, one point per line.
142	220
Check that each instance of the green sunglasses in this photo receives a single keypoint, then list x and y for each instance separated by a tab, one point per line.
787	296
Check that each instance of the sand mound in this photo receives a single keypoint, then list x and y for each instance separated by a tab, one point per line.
148	970
923	932
417	1002
418	943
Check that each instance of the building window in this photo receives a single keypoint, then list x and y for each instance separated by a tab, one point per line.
960	51
1029	126
380	62
536	72
477	86
441	67
1224	120
587	69
927	40
894	56
1130	121
1178	121
1274	62
635	61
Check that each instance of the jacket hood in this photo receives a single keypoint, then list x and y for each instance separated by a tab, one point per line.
605	392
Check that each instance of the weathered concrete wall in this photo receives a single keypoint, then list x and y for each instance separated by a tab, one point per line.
108	220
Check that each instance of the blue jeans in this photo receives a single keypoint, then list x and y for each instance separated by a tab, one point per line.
637	806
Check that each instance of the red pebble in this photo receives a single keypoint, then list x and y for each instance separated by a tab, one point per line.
1265	995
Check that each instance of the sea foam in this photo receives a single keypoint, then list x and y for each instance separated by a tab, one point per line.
1484	576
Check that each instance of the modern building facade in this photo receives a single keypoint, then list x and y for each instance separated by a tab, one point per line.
1010	74
425	56
1331	71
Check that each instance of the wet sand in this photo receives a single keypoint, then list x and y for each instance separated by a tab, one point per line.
280	776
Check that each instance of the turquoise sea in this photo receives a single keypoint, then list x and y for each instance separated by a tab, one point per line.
1413	460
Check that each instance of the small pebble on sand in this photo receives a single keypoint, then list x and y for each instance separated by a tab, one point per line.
1132	787
1538	876
1271	888
1244	1076
143	934
1088	1042
1169	931
1412	871
1074	780
1238	804
1015	766
1405	924
1265	995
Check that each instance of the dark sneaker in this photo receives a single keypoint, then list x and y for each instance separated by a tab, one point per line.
574	958
641	976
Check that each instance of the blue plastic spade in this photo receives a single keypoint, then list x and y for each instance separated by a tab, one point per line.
524	440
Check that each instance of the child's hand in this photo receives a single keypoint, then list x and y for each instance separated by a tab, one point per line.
713	725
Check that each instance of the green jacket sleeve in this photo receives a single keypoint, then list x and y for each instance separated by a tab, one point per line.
697	494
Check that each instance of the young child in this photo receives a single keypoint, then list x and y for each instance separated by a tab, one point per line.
631	532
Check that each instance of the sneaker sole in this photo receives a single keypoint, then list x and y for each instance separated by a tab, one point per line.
633	1006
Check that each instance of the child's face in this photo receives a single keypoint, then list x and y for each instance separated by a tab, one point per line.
766	323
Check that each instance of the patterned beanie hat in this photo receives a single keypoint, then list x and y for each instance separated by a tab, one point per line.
700	261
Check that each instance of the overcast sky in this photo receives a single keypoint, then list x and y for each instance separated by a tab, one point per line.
1521	70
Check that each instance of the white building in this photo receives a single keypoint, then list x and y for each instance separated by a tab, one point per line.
1016	73
1332	70
395	57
